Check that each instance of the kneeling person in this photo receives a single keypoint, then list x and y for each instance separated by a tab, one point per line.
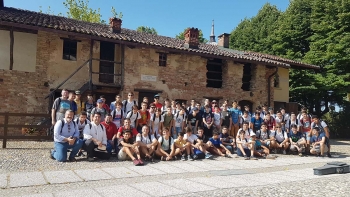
96	139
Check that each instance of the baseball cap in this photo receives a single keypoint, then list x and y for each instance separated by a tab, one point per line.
194	109
99	101
156	96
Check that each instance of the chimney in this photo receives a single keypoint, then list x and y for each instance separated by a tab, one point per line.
191	38
1	3
224	40
115	24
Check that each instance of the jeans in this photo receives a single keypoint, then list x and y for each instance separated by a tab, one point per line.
89	146
177	130
246	150
109	146
60	152
230	148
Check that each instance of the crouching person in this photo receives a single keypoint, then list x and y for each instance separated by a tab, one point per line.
96	139
147	143
245	144
128	149
280	140
166	149
297	141
66	136
319	142
183	147
227	141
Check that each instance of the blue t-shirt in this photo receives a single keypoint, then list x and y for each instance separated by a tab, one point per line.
257	123
318	138
295	137
235	113
216	142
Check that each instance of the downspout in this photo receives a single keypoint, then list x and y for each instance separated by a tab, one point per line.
269	87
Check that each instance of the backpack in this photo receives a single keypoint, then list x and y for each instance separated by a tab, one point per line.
169	141
137	115
124	105
282	134
149	137
154	117
260	119
296	122
104	110
70	103
268	134
177	115
100	125
77	121
114	113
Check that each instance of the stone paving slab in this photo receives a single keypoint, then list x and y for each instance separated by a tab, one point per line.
120	190
157	189
38	195
169	169
65	176
189	186
3	180
187	166
25	179
207	166
146	170
223	164
93	174
77	193
214	181
120	172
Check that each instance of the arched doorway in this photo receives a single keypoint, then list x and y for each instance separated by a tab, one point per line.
243	103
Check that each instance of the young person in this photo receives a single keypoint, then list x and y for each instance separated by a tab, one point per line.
208	121
147	144
245	118
260	150
217	119
82	121
128	149
264	111
200	144
113	105
157	123
270	121
105	105
305	127
96	139
319	142
256	122
179	122
245	144
74	107
145	117
134	116
193	119
127	126
281	119
190	108
317	123
117	114
129	103
182	147
226	117
216	147
293	121
167	104
156	102
60	106
236	116
168	118
280	139
89	105
166	149
79	102
227	140
297	141
263	135
99	108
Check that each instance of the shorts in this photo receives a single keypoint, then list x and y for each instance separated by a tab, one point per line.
122	155
246	150
267	144
306	135
317	148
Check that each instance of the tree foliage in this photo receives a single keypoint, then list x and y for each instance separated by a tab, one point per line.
311	31
181	36
147	29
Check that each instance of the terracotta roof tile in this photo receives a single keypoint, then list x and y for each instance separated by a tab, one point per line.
102	30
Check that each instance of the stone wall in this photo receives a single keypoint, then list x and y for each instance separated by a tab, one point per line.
182	69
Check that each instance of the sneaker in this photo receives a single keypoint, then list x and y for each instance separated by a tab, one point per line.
300	154
195	157
136	162
208	156
253	158
284	152
245	157
189	158
72	159
140	162
51	154
183	158
90	159
329	155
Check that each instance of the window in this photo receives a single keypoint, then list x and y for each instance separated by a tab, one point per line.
162	59
214	74
70	50
247	77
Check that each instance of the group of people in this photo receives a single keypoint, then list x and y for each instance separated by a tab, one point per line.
173	130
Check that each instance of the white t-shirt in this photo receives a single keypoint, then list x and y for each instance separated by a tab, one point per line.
133	118
128	106
179	119
81	126
144	139
217	118
244	144
247	119
279	136
165	145
156	120
117	118
191	138
247	134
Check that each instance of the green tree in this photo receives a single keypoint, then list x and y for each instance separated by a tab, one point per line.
147	29
181	36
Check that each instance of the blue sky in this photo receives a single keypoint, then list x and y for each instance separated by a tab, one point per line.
167	18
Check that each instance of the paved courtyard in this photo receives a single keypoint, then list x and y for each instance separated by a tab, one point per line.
26	170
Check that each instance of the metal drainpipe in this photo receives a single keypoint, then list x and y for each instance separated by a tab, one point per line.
269	87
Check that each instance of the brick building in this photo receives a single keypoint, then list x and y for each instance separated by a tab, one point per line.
42	54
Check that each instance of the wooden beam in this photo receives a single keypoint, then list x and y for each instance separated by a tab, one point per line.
12	40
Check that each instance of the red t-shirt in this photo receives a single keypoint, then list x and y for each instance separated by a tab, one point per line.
270	123
133	131
158	105
145	116
111	129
